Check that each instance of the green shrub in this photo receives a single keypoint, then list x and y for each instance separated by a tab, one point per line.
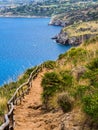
91	40
50	83
67	79
25	76
94	79
53	82
65	101
28	71
50	64
80	91
91	105
62	56
76	55
93	64
77	52
92	73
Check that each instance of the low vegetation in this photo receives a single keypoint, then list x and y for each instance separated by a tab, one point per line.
54	82
82	28
49	64
65	101
74	81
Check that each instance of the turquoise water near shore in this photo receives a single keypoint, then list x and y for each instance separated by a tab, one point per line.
25	42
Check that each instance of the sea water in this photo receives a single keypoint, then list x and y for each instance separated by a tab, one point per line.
26	42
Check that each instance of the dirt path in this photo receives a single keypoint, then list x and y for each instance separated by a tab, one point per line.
29	118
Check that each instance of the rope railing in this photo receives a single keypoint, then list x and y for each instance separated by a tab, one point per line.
21	91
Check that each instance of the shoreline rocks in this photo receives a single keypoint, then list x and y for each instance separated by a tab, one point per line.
64	39
58	23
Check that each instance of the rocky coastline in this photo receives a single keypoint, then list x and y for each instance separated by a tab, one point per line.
63	38
71	18
77	36
59	23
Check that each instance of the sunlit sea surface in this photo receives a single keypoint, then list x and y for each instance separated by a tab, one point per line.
25	42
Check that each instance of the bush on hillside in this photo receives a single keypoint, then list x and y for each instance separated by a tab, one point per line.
28	71
93	77
50	83
78	53
92	73
67	80
25	76
91	105
62	56
80	91
53	82
65	101
93	65
50	64
91	40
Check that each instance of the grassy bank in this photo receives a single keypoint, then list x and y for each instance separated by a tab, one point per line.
74	82
82	28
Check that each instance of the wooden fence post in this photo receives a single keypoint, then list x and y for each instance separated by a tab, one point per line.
20	95
9	121
22	92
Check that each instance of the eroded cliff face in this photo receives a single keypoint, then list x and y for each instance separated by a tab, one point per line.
58	22
69	19
64	38
77	33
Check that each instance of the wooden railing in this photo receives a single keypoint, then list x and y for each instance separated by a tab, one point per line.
17	97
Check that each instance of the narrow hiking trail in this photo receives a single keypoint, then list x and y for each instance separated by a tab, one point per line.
28	115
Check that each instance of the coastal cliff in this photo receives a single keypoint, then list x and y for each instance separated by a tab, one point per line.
64	39
78	25
77	33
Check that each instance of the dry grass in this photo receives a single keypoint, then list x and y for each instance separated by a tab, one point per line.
82	28
3	102
84	82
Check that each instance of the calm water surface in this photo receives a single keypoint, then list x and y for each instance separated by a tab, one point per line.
24	43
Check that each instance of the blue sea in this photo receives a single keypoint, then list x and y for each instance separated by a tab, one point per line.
24	43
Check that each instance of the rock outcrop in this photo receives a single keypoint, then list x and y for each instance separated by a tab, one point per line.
64	39
59	22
